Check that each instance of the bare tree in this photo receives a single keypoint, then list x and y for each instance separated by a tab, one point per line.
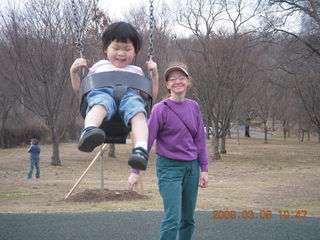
37	41
308	89
221	59
302	75
279	15
6	104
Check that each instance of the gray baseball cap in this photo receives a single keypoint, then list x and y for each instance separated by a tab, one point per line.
173	68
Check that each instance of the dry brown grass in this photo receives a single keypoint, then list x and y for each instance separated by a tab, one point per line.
251	176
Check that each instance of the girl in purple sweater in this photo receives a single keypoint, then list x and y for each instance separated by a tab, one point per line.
182	159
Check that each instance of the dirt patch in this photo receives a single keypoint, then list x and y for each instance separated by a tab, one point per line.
96	195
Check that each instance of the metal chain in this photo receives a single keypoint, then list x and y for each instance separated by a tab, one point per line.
151	31
78	31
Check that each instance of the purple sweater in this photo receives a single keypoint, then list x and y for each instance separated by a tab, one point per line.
173	139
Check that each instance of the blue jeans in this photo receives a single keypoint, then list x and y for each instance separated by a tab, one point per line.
130	104
178	185
34	162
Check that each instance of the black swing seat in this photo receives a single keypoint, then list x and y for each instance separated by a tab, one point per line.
115	129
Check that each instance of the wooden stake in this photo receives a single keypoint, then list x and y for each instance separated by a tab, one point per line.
104	147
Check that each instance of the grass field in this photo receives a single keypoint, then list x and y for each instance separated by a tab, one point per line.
253	176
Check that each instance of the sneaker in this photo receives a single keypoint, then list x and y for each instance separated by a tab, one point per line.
90	138
139	158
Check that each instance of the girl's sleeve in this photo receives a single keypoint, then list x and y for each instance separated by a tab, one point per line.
202	144
32	149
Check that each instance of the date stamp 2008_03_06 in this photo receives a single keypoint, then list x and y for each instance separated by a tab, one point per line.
261	214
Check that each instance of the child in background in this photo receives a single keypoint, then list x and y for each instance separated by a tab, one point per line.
121	43
34	151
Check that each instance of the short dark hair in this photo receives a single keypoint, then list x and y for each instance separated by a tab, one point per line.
121	32
35	141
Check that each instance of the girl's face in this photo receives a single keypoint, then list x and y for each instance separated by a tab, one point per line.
120	54
177	82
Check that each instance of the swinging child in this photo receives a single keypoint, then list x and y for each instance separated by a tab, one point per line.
121	42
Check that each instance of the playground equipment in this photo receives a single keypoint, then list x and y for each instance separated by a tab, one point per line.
115	130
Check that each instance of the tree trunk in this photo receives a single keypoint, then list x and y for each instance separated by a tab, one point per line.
4	118
55	158
284	127
285	134
216	153
273	124
112	150
223	145
265	128
247	128
299	132
215	141
207	127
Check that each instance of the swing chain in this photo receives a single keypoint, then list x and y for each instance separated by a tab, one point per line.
78	31
151	31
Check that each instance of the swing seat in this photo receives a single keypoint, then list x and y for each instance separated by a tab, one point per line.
115	129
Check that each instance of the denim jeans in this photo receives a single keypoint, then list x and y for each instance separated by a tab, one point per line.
34	162
130	104
178	185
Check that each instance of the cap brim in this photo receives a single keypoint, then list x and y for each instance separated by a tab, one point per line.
170	69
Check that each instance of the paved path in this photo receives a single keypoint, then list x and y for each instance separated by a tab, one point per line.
145	226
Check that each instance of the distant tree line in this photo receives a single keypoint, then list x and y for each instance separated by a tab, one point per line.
249	61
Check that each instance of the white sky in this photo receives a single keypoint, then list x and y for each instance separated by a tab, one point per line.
114	8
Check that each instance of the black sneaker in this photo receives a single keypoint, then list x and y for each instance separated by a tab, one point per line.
90	138
139	158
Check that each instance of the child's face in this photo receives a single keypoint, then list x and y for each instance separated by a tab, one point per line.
120	54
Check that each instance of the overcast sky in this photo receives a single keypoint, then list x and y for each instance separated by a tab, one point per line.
114	8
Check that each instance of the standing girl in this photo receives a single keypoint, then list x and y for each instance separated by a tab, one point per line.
182	160
34	151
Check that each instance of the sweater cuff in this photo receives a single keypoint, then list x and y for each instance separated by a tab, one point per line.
135	171
204	168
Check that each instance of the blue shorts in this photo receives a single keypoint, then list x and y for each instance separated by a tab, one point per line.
130	104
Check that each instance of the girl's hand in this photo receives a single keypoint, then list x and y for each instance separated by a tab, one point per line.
133	180
77	64
204	179
152	66
74	73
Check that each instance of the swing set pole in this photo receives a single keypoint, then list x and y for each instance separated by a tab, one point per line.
104	148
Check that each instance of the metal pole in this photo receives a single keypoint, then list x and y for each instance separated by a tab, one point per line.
101	168
104	147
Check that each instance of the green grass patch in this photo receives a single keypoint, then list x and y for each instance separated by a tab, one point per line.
15	196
